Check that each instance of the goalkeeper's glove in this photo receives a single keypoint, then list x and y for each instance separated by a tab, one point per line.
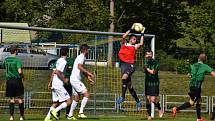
133	26
142	32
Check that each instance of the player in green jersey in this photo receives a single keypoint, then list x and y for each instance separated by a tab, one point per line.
151	83
68	86
197	73
14	85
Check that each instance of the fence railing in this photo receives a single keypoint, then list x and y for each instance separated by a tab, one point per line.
107	101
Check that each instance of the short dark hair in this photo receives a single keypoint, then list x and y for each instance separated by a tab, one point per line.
13	49
202	57
64	51
132	35
84	47
149	51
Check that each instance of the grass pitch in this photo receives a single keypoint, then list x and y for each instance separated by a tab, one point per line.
167	117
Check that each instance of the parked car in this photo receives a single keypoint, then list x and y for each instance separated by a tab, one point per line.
31	56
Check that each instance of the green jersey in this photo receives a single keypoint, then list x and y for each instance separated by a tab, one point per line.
198	71
151	79
69	65
12	64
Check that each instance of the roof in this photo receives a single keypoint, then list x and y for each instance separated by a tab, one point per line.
14	35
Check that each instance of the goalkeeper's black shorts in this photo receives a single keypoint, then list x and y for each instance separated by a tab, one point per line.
127	68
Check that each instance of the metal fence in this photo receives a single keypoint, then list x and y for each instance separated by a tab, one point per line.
42	100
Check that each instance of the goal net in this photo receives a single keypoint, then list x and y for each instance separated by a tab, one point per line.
39	55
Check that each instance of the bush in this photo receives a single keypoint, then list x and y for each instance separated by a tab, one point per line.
167	62
183	66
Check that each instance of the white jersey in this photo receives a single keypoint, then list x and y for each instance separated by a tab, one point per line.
76	73
60	65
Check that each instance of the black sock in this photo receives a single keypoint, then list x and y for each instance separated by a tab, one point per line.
148	107
124	87
68	109
21	109
198	111
213	111
58	113
11	106
213	114
158	105
184	106
134	94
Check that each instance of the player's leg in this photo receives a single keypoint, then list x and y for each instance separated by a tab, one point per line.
212	117
20	93
148	107
75	101
48	116
64	98
133	93
54	105
68	88
11	106
21	107
83	104
198	110
124	82
154	99
198	104
126	70
10	92
73	106
124	87
186	104
156	102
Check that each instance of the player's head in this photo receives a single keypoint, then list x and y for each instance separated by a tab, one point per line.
13	49
148	54
64	51
202	57
84	48
132	39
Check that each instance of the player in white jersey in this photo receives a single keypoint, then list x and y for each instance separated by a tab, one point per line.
59	93
78	86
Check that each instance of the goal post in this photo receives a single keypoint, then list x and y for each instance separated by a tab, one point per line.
108	79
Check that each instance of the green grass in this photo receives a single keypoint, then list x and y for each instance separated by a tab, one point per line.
108	81
167	117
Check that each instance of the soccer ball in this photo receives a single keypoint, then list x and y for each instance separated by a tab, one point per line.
138	27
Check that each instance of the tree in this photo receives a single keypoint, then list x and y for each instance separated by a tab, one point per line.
200	27
160	17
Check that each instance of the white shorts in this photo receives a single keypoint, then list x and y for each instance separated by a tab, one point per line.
78	87
60	95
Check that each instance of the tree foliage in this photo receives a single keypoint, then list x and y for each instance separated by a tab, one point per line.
200	27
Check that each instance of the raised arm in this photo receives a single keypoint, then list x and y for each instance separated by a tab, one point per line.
124	36
141	38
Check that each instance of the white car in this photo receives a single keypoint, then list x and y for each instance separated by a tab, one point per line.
31	56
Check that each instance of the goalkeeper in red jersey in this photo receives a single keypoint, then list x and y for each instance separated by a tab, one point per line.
127	59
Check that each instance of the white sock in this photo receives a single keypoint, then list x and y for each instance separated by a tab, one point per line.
61	106
49	114
83	104
73	106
